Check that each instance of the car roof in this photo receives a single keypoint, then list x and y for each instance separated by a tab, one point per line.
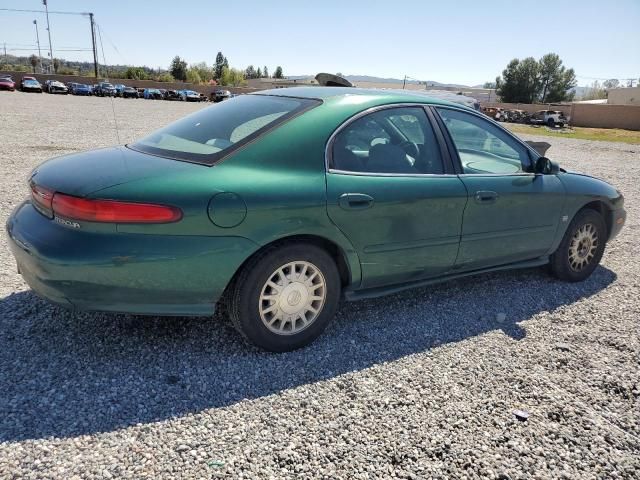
385	96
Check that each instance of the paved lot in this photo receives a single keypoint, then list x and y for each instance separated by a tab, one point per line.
417	385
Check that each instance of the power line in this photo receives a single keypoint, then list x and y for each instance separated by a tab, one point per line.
42	11
57	49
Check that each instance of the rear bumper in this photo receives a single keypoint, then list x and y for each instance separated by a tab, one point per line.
128	273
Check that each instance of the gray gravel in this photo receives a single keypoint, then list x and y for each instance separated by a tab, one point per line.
422	384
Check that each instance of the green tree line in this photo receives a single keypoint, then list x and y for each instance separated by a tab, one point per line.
531	81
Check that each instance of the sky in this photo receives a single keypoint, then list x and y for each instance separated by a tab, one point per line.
457	41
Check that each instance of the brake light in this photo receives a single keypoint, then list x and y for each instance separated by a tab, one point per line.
42	199
113	211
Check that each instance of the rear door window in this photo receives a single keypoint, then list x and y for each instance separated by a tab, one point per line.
393	140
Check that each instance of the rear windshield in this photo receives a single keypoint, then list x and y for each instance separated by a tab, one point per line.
213	132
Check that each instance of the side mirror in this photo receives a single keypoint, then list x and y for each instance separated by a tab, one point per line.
545	166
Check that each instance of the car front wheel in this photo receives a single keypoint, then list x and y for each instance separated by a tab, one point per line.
284	298
581	248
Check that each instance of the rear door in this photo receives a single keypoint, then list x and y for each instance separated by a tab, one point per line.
393	194
512	213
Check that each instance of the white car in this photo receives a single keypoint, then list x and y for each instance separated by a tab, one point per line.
550	118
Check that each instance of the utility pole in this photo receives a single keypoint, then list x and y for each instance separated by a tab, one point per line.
93	42
6	60
46	9
35	22
404	82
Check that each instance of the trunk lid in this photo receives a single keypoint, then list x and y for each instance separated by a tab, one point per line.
81	174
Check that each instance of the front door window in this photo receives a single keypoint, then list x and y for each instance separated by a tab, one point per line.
482	146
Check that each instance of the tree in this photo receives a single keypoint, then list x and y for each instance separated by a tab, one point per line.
528	80
205	72
56	65
562	90
250	72
278	72
33	60
259	73
594	92
519	82
136	73
231	76
165	77
193	76
178	68
265	72
489	85
611	83
219	65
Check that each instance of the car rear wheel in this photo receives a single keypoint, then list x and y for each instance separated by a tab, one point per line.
581	248
284	298
551	123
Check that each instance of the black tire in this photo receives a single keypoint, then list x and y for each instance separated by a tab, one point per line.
551	123
244	296
561	263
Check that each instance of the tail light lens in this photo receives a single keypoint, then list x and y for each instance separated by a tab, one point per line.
113	211
42	199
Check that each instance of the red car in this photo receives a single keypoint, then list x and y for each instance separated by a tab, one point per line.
7	83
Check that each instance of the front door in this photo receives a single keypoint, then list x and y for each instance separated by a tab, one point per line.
390	193
512	213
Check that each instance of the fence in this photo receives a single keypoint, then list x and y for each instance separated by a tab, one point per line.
587	115
206	89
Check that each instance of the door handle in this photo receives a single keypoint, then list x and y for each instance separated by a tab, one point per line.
486	196
355	201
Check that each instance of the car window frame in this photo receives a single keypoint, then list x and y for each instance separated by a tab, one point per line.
453	151
447	162
212	159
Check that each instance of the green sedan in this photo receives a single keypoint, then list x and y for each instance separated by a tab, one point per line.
279	204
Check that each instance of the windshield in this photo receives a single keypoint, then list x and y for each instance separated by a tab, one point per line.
211	133
107	85
30	82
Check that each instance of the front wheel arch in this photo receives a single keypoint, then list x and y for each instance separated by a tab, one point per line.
600	207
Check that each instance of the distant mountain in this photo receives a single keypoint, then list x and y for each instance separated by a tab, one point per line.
369	78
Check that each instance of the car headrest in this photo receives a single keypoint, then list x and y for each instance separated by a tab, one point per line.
387	158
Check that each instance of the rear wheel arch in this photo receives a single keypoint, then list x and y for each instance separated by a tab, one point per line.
337	253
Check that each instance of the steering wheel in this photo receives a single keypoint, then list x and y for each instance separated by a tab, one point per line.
410	148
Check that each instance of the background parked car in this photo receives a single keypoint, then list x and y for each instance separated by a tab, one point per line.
550	118
220	95
140	91
171	95
516	116
54	86
30	84
189	96
129	92
152	94
80	89
496	113
119	89
7	83
104	89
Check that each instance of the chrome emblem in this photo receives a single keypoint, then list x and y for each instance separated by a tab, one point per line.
66	223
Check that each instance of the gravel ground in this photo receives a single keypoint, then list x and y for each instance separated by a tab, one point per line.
422	384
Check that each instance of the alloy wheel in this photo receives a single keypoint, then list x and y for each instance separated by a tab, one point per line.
583	247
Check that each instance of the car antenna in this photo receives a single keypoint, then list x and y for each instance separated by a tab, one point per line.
113	108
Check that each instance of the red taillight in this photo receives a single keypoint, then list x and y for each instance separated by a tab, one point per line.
42	199
113	211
